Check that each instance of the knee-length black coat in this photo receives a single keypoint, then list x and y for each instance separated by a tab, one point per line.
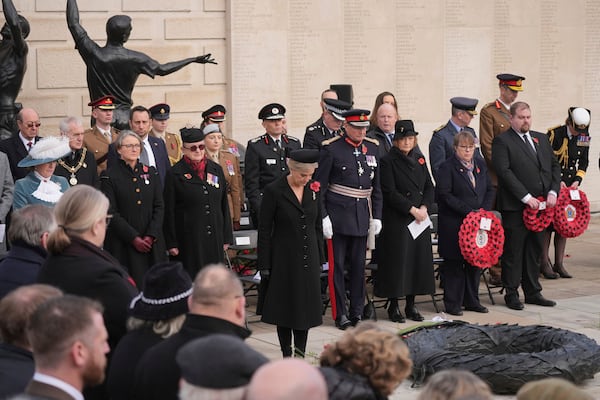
405	264
290	245
197	218
136	203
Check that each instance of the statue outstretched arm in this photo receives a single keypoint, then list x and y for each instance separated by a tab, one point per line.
73	19
167	68
12	20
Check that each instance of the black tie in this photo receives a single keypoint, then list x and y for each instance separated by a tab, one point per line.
528	145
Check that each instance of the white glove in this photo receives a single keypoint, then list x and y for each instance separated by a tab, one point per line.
327	228
376	225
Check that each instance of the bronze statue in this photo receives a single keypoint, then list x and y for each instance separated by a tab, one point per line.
13	63
113	69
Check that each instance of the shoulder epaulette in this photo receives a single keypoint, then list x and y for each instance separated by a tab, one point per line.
292	138
372	140
551	132
313	127
257	139
439	128
329	141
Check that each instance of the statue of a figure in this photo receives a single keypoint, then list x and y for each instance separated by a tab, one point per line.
113	69
13	63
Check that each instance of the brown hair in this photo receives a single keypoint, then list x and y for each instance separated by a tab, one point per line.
378	102
451	384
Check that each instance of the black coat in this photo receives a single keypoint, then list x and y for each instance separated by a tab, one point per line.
20	267
86	170
519	173
344	385
16	370
137	208
290	246
456	198
157	374
196	215
315	134
124	360
405	264
85	270
15	150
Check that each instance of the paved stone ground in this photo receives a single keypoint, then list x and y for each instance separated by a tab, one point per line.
578	309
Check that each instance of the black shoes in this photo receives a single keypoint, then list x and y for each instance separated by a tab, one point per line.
355	320
540	300
512	302
454	312
413	313
394	313
479	309
547	272
342	322
560	270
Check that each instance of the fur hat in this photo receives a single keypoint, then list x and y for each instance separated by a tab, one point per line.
45	150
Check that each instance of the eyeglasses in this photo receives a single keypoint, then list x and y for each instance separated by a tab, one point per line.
195	147
32	124
467	147
132	146
108	218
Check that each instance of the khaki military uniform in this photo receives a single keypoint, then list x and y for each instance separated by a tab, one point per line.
494	119
173	144
231	169
97	144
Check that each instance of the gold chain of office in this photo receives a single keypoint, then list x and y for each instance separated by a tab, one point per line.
73	170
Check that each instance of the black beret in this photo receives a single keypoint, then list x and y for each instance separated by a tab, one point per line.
160	112
272	111
191	135
216	113
218	361
465	103
304	155
404	128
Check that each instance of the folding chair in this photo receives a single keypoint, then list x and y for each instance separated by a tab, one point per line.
244	258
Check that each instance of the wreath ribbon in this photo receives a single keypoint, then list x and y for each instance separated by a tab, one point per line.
479	247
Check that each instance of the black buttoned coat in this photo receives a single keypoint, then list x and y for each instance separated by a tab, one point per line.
290	245
197	218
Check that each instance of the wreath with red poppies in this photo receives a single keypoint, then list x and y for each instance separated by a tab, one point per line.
537	220
481	248
571	217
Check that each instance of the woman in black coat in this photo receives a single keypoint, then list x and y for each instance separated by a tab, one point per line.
463	185
197	224
405	264
290	252
78	265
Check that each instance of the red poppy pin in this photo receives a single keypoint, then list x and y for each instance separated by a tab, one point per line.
478	170
364	149
145	168
315	186
536	140
188	176
421	161
172	146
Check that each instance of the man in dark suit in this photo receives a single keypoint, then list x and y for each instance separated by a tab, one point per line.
79	166
526	169
154	153
17	147
70	344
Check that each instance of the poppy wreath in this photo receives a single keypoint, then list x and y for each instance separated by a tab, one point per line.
571	217
538	220
479	247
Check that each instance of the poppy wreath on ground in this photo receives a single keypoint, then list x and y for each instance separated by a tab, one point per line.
505	356
538	220
479	247
571	217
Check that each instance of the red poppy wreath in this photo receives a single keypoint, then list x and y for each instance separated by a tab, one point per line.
571	217
538	220
481	248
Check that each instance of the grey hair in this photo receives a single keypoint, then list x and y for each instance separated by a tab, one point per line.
64	124
123	135
29	223
300	166
188	391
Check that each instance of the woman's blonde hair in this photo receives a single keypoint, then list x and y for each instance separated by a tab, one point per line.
452	384
75	213
380	356
164	329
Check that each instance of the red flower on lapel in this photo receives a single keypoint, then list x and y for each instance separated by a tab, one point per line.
478	170
188	176
364	149
536	140
421	161
315	186
145	168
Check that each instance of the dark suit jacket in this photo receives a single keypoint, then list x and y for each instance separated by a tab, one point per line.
20	266
42	391
16	151
519	172
457	197
160	155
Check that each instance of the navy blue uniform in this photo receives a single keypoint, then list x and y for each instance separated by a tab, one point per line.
571	152
441	146
344	164
316	134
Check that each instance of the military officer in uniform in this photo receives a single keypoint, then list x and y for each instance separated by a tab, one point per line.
441	146
328	126
349	177
265	158
571	145
495	116
79	166
159	115
217	114
97	138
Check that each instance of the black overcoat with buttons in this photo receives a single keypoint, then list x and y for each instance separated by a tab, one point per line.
405	264
572	154
197	218
136	203
290	245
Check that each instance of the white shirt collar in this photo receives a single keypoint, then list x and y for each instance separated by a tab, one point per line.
62	385
25	140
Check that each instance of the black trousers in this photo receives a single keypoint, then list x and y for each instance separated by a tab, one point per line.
461	284
349	251
521	257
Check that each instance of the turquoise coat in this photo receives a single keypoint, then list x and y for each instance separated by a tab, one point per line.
25	187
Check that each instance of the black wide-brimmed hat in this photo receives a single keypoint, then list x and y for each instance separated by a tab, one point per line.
404	128
304	155
166	289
